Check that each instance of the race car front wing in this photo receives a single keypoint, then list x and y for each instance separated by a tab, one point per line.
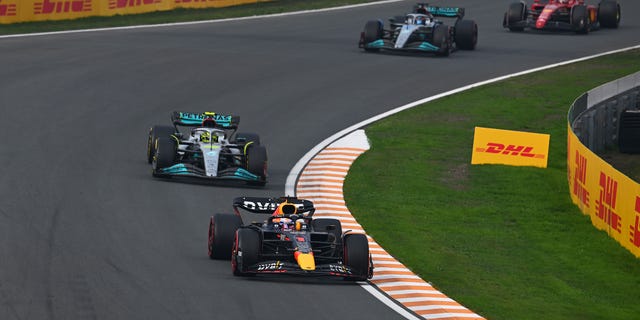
189	170
285	267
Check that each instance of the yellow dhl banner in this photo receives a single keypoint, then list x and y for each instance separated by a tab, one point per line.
516	148
38	10
611	199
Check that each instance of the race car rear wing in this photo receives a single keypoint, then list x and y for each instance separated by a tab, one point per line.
190	119
447	12
268	205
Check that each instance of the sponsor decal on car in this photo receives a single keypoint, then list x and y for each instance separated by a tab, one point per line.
338	268
257	205
270	266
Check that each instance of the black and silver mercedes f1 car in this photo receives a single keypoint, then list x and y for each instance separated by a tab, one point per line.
210	149
288	241
420	31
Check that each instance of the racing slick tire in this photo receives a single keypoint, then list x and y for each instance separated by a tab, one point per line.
580	19
517	12
609	14
165	155
245	137
356	256
466	34
246	251
222	231
256	157
154	133
442	39
323	225
373	31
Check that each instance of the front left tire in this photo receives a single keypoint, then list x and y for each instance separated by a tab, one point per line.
222	230
154	133
580	19
442	38
609	14
246	251
165	154
517	12
256	161
373	31
356	256
466	34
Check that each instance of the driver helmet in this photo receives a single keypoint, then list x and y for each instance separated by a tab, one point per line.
421	20
205	136
301	225
421	9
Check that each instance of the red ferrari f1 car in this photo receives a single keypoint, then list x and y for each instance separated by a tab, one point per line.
289	241
563	15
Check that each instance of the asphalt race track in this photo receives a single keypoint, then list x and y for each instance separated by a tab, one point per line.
87	233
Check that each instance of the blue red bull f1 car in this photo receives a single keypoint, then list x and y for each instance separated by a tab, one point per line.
288	241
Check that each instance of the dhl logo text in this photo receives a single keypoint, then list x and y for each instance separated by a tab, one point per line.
7	10
580	180
511	149
635	228
118	4
606	203
193	1
62	6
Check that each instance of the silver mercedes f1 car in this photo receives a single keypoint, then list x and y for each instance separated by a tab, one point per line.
420	31
211	149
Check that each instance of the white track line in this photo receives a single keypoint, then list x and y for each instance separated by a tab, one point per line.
389	274
174	24
395	289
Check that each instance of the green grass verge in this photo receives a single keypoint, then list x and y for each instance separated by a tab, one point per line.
178	15
505	241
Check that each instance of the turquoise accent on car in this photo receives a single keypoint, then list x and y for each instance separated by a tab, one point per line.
246	175
176	169
189	121
181	170
426	46
444	11
376	44
196	118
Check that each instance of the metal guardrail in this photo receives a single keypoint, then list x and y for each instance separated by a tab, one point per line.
595	115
